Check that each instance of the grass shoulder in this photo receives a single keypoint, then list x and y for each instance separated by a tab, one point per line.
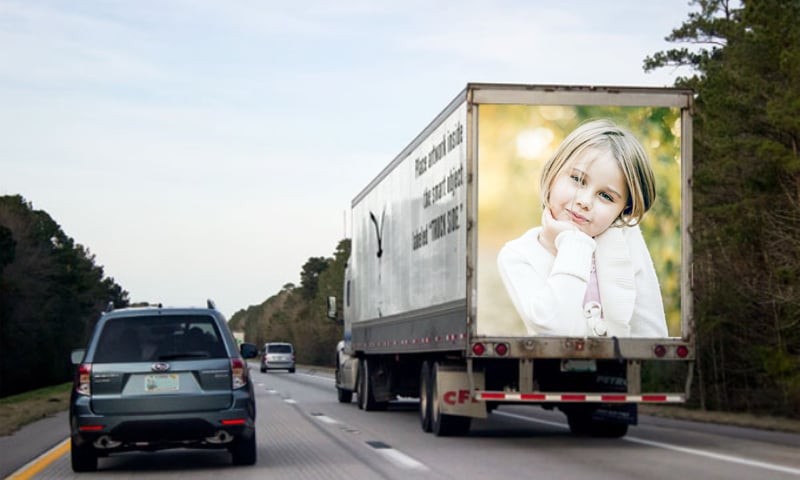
24	408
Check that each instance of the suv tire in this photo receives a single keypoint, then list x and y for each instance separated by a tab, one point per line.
83	457
243	450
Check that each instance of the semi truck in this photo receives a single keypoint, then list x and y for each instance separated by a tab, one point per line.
425	311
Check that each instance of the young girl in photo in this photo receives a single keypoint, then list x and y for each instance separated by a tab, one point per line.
586	270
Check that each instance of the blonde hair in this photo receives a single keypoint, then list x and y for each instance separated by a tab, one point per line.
605	135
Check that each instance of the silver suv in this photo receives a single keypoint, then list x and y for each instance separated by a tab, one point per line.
153	378
277	356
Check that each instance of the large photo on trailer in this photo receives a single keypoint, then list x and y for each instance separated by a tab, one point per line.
579	220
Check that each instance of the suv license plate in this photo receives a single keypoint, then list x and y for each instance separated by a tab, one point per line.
165	382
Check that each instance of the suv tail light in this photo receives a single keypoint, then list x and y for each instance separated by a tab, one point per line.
238	373
83	385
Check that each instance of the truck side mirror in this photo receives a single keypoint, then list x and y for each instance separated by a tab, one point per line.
332	309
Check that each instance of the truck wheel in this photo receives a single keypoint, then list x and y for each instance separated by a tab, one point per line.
442	424
609	429
344	396
581	423
366	399
425	397
359	387
83	457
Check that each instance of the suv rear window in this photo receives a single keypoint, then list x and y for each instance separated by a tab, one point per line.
279	349
159	338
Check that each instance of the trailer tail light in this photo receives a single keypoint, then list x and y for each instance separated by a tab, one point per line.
660	350
238	373
478	349
501	349
84	383
682	351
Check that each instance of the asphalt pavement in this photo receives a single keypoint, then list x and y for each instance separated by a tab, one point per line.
27	443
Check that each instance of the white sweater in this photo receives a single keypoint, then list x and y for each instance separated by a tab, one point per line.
548	291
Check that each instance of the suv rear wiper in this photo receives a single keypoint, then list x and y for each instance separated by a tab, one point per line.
173	356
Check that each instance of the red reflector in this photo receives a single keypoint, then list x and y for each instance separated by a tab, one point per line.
493	396
90	428
235	421
612	398
654	398
478	349
573	398
660	351
533	396
682	351
501	349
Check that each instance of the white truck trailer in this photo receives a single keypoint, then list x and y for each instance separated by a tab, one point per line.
425	311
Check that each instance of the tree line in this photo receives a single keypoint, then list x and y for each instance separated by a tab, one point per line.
298	313
745	72
51	294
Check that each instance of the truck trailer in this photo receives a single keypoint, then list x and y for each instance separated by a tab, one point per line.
427	310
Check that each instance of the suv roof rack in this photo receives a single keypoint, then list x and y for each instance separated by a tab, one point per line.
109	306
211	304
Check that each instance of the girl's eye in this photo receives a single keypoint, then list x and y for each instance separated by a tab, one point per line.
606	197
576	178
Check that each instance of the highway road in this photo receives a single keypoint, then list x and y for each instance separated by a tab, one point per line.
304	433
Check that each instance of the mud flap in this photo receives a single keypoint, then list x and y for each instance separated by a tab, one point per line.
455	397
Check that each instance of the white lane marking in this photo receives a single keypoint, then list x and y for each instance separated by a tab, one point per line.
717	456
398	458
395	456
691	451
401	459
328	420
290	400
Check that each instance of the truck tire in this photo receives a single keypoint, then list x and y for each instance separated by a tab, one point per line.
425	397
442	424
83	457
581	423
344	396
366	399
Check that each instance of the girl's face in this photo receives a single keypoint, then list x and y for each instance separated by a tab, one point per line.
589	192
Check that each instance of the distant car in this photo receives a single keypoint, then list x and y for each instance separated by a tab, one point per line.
277	356
153	378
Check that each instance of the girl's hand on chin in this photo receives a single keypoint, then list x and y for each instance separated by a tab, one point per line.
551	228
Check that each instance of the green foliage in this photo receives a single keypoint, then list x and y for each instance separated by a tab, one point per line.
51	293
309	276
746	229
298	314
7	247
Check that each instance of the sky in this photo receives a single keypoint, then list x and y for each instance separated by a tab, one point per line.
205	149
